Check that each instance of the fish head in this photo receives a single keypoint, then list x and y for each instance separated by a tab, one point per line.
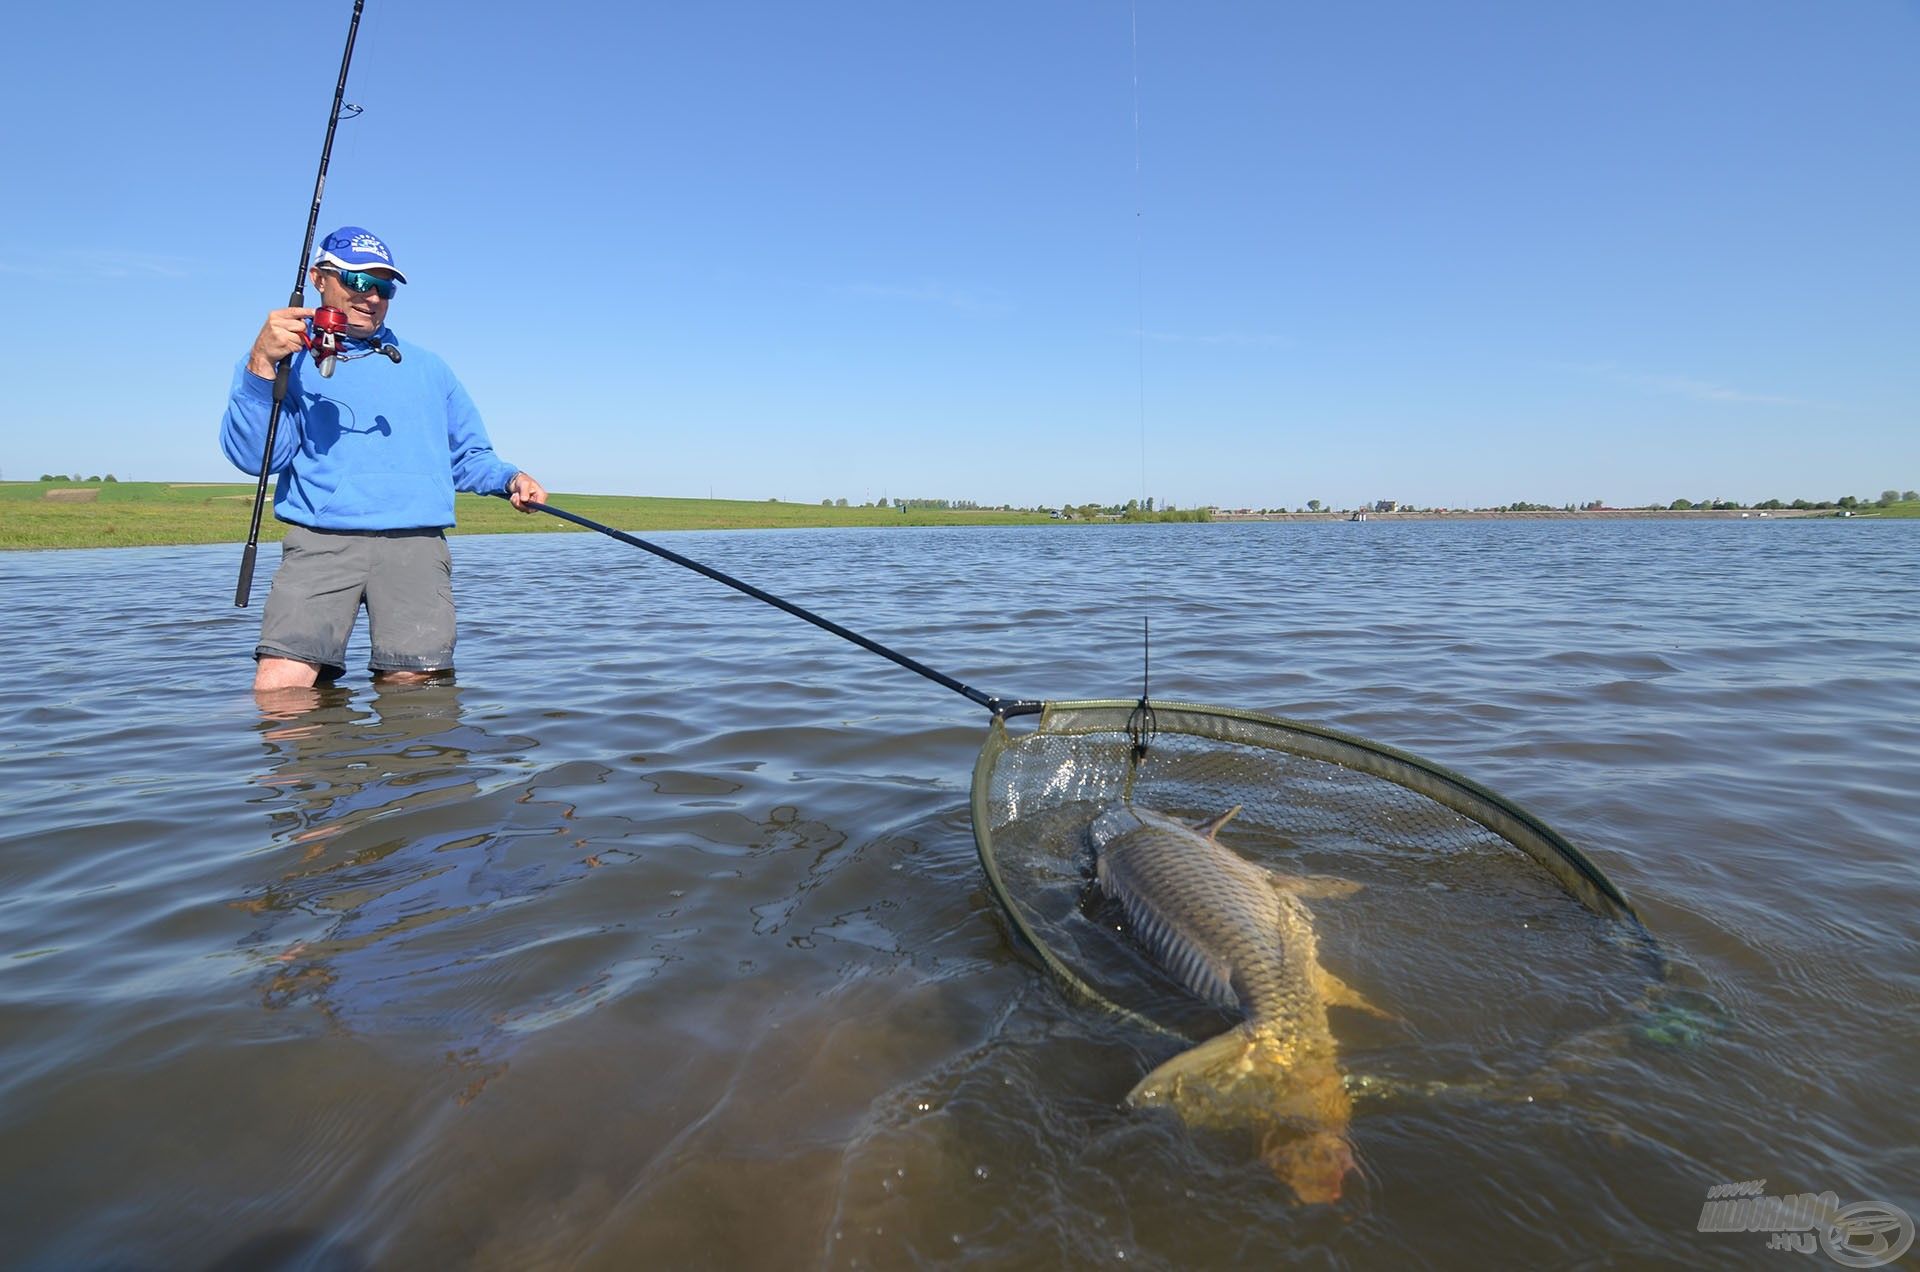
1315	1165
1113	821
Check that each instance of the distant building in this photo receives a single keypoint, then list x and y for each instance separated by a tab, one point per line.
1386	505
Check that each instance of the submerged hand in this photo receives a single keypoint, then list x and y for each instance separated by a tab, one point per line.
524	490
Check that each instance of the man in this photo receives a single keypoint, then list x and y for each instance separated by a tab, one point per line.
368	461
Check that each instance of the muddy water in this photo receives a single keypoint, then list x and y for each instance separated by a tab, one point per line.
659	940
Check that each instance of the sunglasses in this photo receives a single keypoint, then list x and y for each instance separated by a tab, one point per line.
358	280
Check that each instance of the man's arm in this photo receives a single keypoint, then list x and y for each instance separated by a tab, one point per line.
476	469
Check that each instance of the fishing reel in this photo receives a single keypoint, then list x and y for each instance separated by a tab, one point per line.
327	342
327	338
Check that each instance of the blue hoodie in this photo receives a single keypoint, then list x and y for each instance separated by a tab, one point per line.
378	446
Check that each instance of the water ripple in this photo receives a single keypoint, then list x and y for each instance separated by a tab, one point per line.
661	939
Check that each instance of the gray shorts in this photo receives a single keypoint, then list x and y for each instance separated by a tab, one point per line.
404	577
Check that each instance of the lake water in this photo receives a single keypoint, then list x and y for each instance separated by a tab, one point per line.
660	940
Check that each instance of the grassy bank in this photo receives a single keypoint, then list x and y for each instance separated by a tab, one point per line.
39	514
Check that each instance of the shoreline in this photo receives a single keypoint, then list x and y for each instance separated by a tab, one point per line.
1552	514
56	516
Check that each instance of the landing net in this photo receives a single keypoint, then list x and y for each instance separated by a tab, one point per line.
1429	847
1466	899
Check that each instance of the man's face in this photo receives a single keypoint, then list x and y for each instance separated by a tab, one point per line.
366	311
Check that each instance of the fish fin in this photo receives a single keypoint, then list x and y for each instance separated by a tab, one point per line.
1212	828
1216	1063
1316	887
1337	993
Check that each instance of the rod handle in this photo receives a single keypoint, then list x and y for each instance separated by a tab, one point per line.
243	591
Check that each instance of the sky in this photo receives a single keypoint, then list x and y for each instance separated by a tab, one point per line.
1244	254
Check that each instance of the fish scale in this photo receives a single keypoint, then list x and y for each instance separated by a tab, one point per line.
1213	920
1238	936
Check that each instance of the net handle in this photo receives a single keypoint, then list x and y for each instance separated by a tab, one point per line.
1000	707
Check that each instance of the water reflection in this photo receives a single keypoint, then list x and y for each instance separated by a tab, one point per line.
343	761
392	818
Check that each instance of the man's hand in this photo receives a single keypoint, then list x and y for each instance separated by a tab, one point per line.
524	490
284	332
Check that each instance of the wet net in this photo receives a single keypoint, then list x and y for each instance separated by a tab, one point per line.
1458	885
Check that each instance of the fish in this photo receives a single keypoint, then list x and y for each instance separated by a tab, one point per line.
1240	937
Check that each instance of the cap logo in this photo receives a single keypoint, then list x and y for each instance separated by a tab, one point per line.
369	244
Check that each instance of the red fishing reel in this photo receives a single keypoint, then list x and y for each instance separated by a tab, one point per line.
328	338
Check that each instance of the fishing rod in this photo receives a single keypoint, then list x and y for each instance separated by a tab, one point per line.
1000	707
329	324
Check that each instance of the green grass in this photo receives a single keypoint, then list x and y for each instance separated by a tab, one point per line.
141	513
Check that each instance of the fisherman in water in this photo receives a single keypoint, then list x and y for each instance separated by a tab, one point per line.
367	462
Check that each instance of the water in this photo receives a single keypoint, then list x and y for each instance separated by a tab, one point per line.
659	940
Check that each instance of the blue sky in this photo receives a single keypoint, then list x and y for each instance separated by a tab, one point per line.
1449	253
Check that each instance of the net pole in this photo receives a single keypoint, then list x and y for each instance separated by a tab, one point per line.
1000	707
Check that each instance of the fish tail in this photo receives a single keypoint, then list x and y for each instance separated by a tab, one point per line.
1216	1065
1297	1104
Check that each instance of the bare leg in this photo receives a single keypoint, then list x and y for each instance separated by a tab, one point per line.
283	673
412	677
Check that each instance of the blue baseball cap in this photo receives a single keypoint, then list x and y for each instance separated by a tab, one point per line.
351	247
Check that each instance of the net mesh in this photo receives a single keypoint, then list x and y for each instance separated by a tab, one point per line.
1451	874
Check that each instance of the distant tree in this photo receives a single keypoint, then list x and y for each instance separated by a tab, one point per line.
840	503
826	503
1909	496
1848	501
1680	505
1313	505
49	477
110	477
1888	497
1769	504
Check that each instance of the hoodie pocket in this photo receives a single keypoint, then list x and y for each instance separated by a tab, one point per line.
388	501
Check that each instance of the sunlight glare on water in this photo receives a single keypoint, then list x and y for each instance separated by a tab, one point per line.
660	939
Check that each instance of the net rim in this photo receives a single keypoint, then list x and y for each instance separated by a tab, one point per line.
1577	873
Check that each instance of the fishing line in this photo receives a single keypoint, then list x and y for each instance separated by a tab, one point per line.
1139	259
366	92
1141	724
